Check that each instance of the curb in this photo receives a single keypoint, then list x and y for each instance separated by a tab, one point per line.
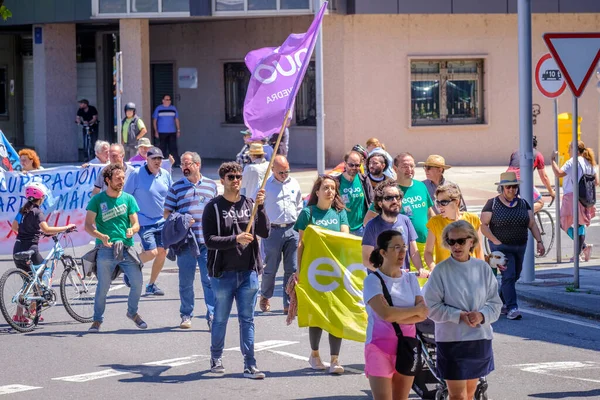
541	302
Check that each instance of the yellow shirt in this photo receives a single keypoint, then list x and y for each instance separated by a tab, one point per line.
436	226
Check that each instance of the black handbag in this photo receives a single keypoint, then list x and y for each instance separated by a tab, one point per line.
409	355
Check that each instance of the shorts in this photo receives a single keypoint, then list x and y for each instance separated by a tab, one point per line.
537	196
379	363
36	258
460	361
151	236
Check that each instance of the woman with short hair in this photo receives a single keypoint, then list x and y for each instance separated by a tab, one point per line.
463	315
29	160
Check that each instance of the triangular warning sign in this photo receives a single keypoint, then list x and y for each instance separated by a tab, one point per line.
576	55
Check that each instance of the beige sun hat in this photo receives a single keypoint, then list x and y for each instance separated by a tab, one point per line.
256	149
508	178
435	161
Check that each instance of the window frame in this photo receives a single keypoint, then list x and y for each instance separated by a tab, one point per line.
6	115
96	14
482	98
277	12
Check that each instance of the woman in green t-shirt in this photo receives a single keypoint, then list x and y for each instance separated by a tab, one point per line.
325	209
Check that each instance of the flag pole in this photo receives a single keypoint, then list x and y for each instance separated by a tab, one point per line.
264	182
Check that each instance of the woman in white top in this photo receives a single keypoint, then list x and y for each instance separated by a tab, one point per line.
462	296
408	308
586	166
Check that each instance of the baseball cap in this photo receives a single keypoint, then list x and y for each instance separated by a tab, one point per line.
84	101
155	152
246	132
143	142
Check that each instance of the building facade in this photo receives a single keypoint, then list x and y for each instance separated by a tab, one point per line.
434	76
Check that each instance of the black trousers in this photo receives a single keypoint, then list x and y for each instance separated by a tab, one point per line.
168	145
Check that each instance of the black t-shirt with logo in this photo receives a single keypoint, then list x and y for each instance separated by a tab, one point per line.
87	115
29	225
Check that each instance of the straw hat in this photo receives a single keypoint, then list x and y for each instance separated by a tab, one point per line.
508	178
435	161
256	149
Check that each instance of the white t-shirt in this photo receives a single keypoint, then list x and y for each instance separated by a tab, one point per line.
584	168
403	291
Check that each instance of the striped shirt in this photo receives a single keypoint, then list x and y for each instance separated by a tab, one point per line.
186	198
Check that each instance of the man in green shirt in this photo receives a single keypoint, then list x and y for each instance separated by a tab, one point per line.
356	191
112	219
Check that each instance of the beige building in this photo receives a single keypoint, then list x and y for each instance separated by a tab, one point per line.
419	81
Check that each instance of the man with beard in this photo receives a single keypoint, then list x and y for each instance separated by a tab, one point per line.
388	201
112	219
356	191
190	195
376	164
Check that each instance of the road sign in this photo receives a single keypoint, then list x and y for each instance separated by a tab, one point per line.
576	55
548	78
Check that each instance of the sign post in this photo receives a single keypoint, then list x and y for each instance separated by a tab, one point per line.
550	83
576	55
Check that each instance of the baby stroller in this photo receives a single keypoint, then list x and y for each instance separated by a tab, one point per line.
428	384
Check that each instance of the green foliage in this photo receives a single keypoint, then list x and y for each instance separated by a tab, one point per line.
570	289
5	12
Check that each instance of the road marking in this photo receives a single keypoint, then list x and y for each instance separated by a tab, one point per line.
554	317
302	358
544	368
116	287
9	389
106	373
266	345
177	362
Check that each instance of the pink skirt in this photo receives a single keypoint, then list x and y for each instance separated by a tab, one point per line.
566	213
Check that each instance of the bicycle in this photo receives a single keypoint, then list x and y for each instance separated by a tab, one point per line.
545	224
88	149
29	294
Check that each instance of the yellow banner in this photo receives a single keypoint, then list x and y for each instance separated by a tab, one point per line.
330	288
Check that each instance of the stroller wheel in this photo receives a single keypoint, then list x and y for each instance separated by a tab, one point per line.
441	394
481	392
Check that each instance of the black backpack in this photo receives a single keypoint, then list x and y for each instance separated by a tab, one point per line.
587	190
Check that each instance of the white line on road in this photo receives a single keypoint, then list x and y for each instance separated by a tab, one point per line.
266	345
9	389
554	317
543	368
106	373
302	358
177	362
116	287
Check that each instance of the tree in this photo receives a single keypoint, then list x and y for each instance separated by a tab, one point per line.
4	11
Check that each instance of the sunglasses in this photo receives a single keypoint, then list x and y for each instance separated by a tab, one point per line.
232	178
352	165
443	202
428	167
514	187
461	241
390	198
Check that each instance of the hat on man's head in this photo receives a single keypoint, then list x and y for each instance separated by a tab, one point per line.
143	142
155	152
435	161
246	132
508	178
84	101
256	149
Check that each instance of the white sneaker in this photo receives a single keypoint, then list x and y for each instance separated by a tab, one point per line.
514	314
253	373
335	368
186	322
316	363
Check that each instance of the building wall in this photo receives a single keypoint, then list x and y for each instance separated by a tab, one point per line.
367	83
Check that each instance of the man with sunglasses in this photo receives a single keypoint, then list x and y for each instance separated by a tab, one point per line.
356	191
190	195
388	203
434	168
234	263
149	186
283	203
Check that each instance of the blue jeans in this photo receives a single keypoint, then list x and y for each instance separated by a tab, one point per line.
186	261
514	255
243	287
280	241
105	266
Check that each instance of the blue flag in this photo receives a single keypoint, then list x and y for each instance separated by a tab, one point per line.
9	158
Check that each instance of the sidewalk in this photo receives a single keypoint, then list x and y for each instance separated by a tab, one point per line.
553	289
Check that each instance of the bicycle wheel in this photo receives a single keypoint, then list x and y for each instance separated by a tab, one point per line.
77	291
545	224
14	307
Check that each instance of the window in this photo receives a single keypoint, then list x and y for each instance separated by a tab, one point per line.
144	6
3	91
237	78
132	7
447	92
113	6
262	6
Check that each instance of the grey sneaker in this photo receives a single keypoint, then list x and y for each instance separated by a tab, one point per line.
95	328
153	289
514	314
216	366
253	373
137	320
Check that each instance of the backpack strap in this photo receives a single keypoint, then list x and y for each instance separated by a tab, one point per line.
388	298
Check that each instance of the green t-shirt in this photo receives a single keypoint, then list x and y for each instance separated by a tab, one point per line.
328	219
415	205
353	197
112	216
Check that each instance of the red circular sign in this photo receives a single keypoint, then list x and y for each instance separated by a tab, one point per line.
548	77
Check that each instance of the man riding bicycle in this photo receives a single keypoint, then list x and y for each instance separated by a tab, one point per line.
539	164
88	117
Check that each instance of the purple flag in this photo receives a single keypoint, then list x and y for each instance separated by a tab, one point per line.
277	73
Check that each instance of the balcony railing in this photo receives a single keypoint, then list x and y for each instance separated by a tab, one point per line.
140	8
261	7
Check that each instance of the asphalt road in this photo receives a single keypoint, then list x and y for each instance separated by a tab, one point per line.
545	355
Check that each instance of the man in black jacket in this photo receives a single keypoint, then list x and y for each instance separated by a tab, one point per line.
234	263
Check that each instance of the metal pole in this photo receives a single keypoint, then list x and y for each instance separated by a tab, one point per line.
320	96
557	189
119	94
526	124
575	178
